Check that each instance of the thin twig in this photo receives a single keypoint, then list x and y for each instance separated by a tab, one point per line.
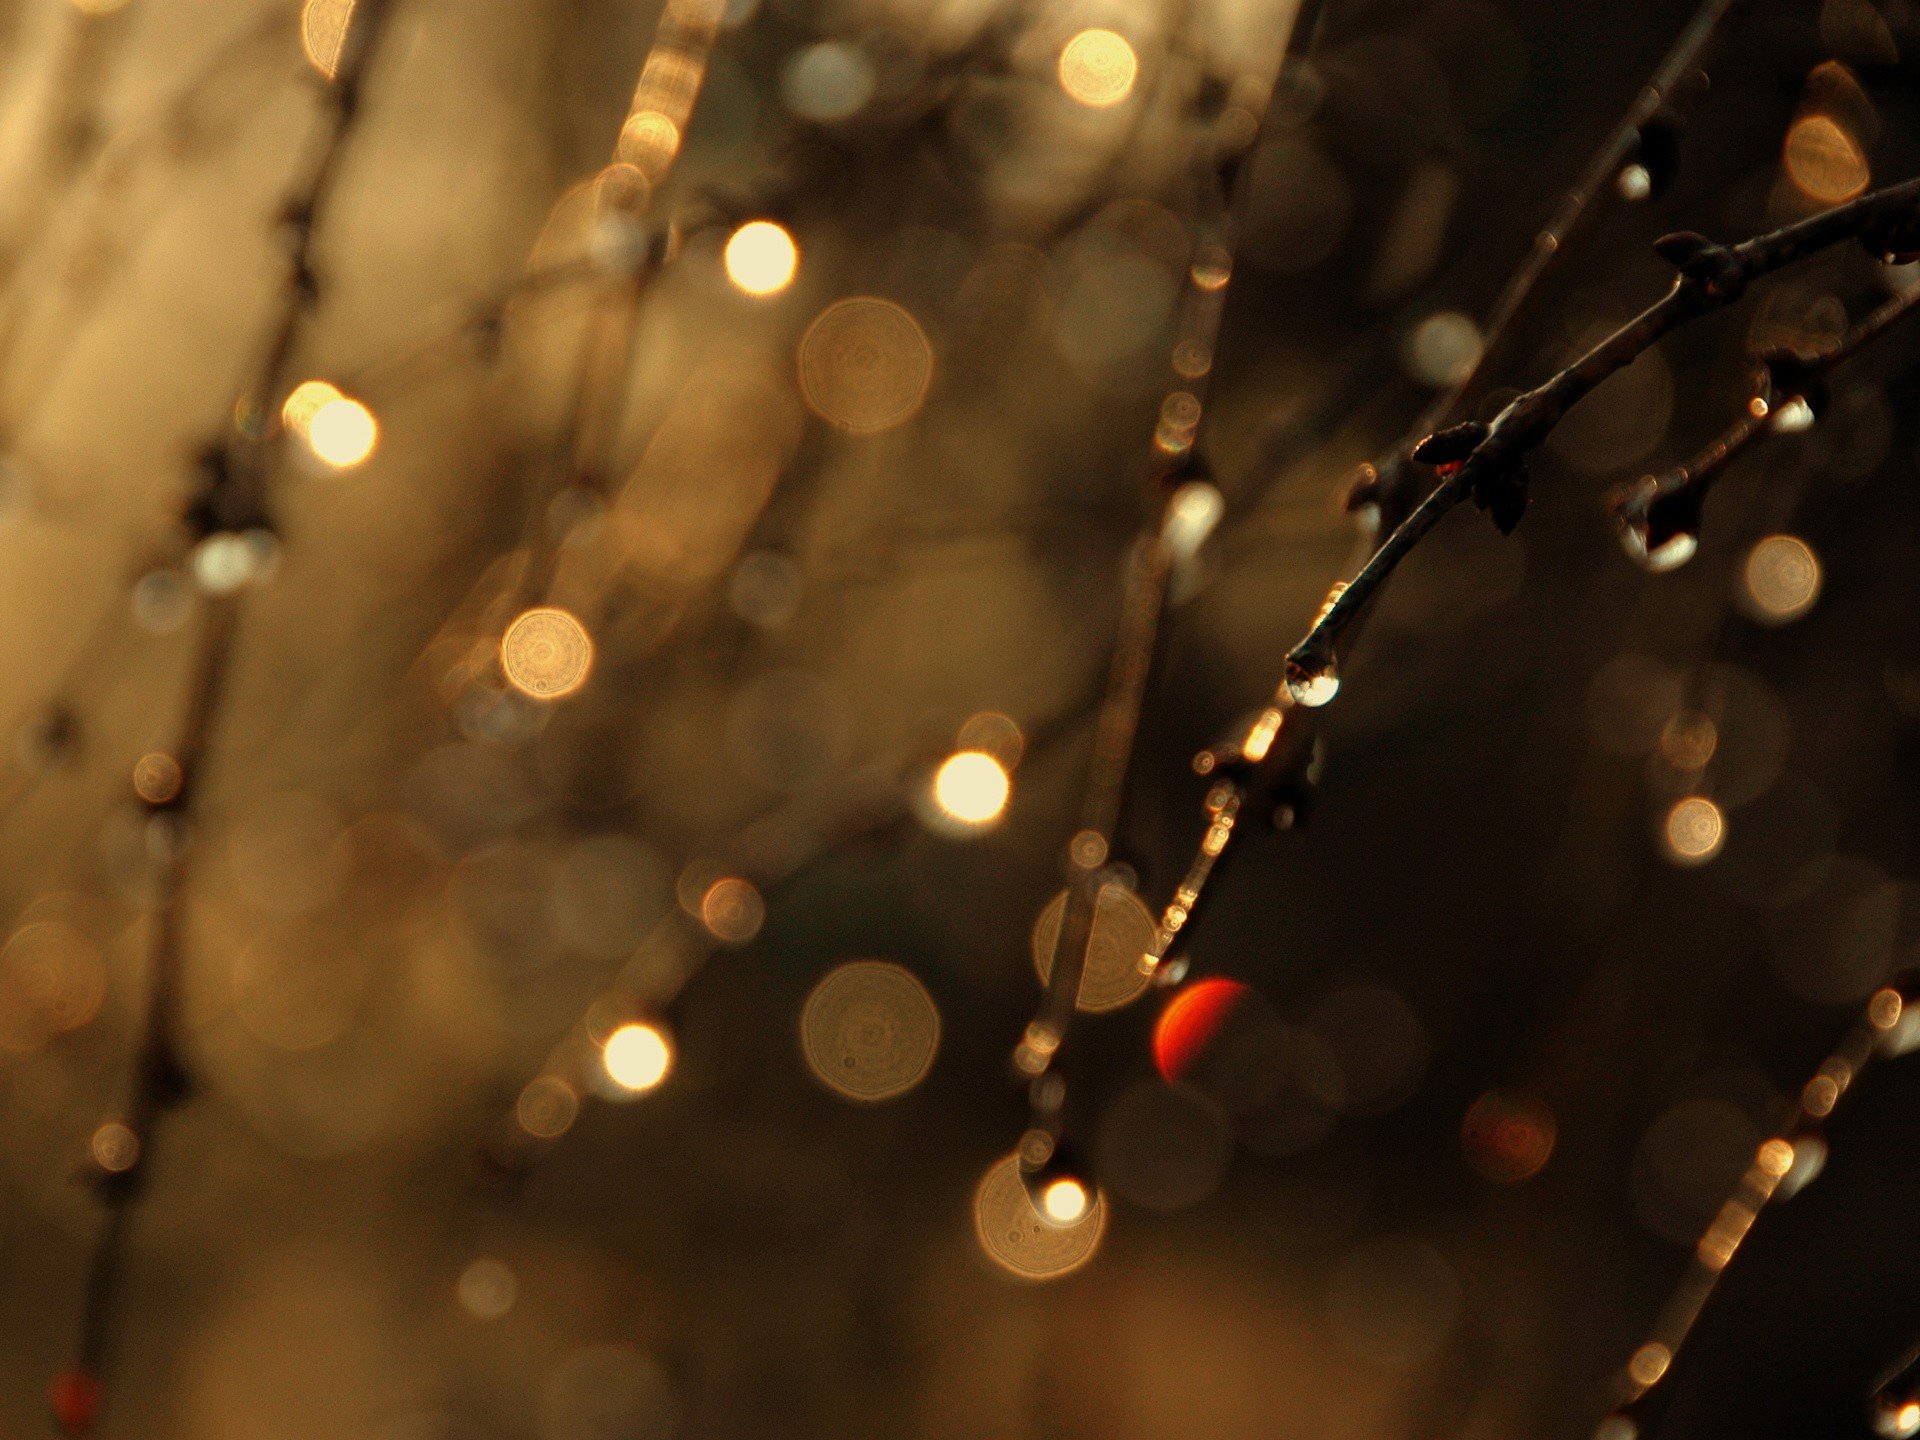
1144	594
1886	1027
1487	462
1275	759
235	499
1656	511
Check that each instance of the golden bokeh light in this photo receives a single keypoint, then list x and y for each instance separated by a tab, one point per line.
733	910
323	30
1649	1363
487	1288
53	979
637	1057
1065	1201
648	142
115	1147
303	402
546	653
1781	579
869	1030
547	1107
865	365
157	778
1694	831
1015	1236
971	788
1123	933
1098	68
761	258
1824	161
340	431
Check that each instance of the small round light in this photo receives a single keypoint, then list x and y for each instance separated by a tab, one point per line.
761	258
1065	1201
342	432
971	787
637	1057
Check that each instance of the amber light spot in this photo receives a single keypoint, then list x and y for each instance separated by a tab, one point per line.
546	653
1508	1138
1098	68
637	1057
1694	831
1825	161
971	787
761	258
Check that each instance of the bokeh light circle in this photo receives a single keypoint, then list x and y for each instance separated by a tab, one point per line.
1123	932
1016	1237
546	653
865	365
1098	68
869	1030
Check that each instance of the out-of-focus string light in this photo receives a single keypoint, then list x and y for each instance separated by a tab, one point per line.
971	788
637	1057
761	258
1098	68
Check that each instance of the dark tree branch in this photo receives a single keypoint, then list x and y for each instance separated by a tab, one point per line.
1660	515
1274	763
237	473
1886	1027
1487	463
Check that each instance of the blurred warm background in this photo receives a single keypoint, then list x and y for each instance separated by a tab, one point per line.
545	1083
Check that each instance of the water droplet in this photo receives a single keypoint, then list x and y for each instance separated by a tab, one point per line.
1635	182
1669	554
1312	685
1794	416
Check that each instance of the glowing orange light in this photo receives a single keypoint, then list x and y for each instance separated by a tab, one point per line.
1824	160
342	432
1695	830
1191	1023
546	653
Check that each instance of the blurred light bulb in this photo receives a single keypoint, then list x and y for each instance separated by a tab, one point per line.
342	432
971	787
637	1057
761	258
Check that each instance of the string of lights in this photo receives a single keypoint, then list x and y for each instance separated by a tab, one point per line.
230	516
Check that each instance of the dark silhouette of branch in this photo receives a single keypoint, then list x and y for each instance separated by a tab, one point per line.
1274	764
1643	140
1659	516
1149	567
1487	463
231	501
